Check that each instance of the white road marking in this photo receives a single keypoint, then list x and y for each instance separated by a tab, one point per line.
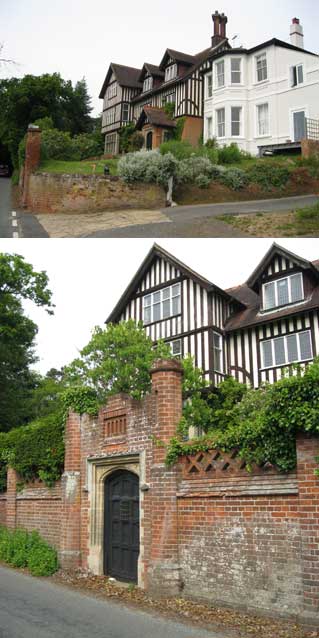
14	222
14	214
15	235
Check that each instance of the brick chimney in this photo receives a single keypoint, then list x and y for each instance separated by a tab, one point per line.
220	21
296	33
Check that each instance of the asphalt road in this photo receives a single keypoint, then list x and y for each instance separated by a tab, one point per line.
200	221
5	210
34	608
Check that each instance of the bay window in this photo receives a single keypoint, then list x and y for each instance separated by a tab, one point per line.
162	304
263	119
261	67
220	118
292	348
236	70
236	121
209	85
220	74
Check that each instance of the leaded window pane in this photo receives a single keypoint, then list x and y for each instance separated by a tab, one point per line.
147	300
176	290
305	345
267	354
156	297
282	291
156	312
296	287
147	314
280	357
166	293
269	296
176	305
292	348
166	309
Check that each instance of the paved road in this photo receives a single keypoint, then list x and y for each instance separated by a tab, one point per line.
5	209
33	608
200	221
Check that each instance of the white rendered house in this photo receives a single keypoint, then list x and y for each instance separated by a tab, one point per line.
264	96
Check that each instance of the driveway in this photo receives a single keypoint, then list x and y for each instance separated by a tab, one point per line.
34	608
179	221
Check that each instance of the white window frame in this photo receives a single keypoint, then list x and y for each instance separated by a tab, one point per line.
261	57
240	71
209	85
126	110
172	295
110	116
221	63
276	281
112	91
223	123
110	141
240	121
209	127
258	121
295	68
179	353
284	337
170	72
148	84
220	350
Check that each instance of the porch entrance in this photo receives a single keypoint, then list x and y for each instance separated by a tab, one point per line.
121	525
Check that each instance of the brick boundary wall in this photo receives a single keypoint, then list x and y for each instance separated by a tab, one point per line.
209	530
52	193
3	509
309	148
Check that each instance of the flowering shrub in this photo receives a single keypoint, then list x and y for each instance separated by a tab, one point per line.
190	169
148	167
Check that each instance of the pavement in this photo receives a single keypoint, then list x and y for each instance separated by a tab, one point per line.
179	221
35	608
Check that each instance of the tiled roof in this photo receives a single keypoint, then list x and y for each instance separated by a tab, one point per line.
127	75
156	117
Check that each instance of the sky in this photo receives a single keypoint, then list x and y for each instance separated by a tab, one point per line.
88	276
79	39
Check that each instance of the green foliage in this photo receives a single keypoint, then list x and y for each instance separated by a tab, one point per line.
20	548
202	181
30	98
59	145
137	141
268	175
178	131
125	134
80	399
117	359
308	213
180	149
262	424
147	167
169	109
35	451
234	178
18	282
229	154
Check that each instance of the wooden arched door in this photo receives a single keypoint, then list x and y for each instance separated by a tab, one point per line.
121	525
149	141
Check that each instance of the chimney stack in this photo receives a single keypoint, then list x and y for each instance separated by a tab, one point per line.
296	34
220	21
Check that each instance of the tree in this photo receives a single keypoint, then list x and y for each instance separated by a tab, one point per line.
117	359
22	101
18	282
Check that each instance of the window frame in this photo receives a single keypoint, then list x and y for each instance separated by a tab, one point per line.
284	337
276	281
126	109
209	86
218	75
112	90
222	109
176	354
240	71
160	302
209	127
219	349
259	106
170	72
148	84
294	72
258	57
240	121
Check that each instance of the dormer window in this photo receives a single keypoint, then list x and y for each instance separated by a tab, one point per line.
147	84
283	291
111	92
170	72
162	304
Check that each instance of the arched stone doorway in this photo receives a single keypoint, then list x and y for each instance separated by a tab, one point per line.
121	525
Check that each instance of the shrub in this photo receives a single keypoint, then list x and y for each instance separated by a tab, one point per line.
189	169
87	145
148	167
234	178
229	154
58	145
268	175
202	181
27	549
180	149
137	141
308	213
311	163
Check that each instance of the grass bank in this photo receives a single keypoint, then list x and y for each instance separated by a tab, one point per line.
83	167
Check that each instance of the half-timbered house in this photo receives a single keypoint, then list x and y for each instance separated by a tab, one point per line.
252	332
178	79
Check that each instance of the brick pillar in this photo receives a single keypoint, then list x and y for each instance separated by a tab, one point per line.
11	510
32	159
70	548
163	569
308	484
